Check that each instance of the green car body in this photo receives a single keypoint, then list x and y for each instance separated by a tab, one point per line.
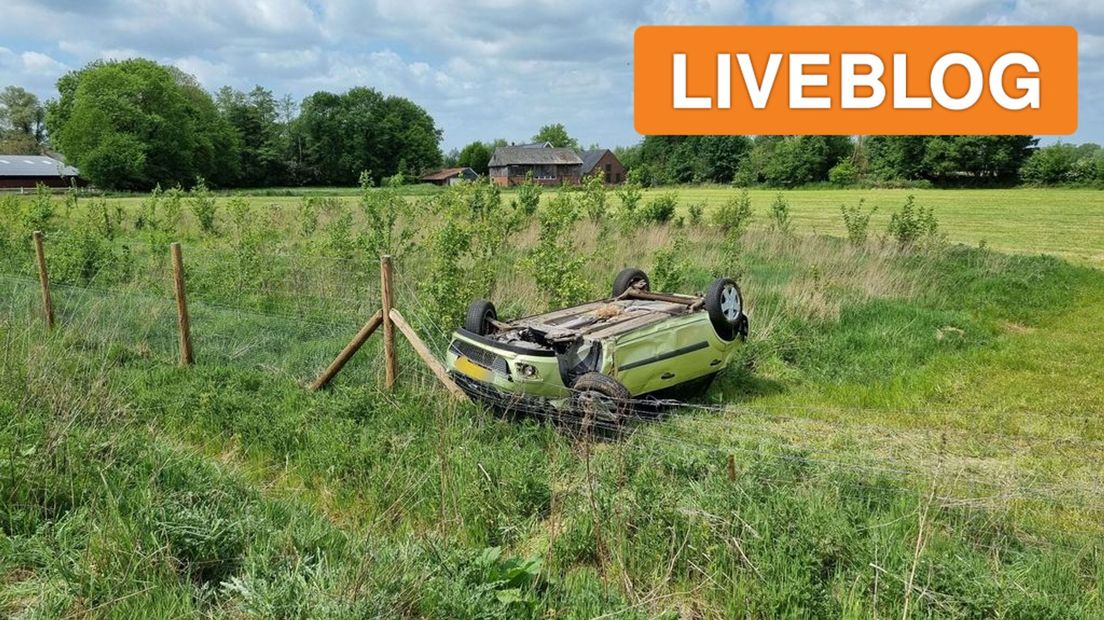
647	342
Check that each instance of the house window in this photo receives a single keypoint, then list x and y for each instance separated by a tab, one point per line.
545	172
608	169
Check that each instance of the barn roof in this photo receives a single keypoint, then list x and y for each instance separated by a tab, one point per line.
590	159
511	155
447	173
34	166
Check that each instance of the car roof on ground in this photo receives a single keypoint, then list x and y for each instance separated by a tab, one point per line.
606	318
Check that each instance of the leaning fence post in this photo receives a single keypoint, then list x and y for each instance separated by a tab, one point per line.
388	325
186	355
44	280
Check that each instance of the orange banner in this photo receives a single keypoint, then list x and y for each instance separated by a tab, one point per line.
855	80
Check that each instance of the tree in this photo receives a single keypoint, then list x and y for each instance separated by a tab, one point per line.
557	135
948	159
133	124
361	130
475	156
261	135
21	122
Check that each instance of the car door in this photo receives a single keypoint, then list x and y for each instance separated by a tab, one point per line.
666	355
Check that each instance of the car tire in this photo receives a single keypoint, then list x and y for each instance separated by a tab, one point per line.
480	314
725	305
601	403
630	277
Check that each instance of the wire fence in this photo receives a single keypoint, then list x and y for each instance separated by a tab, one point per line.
784	446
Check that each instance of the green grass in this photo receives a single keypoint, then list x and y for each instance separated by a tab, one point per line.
927	416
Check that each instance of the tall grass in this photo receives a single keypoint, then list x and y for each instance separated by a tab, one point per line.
132	487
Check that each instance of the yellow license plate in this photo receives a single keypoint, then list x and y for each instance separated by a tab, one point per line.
473	370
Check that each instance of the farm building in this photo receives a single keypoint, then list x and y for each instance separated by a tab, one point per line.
449	176
28	171
604	161
550	165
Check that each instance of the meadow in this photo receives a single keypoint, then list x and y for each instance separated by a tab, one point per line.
914	429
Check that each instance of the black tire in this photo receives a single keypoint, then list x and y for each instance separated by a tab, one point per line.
630	276
480	314
727	320
602	403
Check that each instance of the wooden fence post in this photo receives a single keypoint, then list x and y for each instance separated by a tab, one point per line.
427	356
187	357
44	280
389	362
731	468
347	353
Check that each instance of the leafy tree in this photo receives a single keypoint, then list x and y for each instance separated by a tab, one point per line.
557	135
262	138
1050	165
361	130
475	156
22	129
132	124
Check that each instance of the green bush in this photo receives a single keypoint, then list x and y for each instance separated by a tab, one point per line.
383	207
857	222
556	263
734	216
780	215
913	225
660	209
593	197
204	206
671	265
696	213
843	174
630	194
528	196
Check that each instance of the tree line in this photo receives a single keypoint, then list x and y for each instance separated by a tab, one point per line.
135	124
792	161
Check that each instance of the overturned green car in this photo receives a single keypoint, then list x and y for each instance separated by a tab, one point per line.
598	359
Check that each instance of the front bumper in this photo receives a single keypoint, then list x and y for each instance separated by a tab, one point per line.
506	401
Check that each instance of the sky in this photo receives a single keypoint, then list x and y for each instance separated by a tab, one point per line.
484	69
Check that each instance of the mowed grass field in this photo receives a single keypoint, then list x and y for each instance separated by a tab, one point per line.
910	432
1064	222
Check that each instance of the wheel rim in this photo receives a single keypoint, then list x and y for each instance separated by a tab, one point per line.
730	303
597	407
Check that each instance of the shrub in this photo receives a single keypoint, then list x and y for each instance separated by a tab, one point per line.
383	207
696	212
671	265
555	263
734	216
913	225
630	194
780	215
843	174
40	212
465	250
660	209
203	206
594	197
174	205
857	221
528	196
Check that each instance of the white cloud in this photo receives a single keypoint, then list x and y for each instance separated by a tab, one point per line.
483	68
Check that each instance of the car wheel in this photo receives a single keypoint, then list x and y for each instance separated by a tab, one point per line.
630	277
601	403
480	314
725	306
